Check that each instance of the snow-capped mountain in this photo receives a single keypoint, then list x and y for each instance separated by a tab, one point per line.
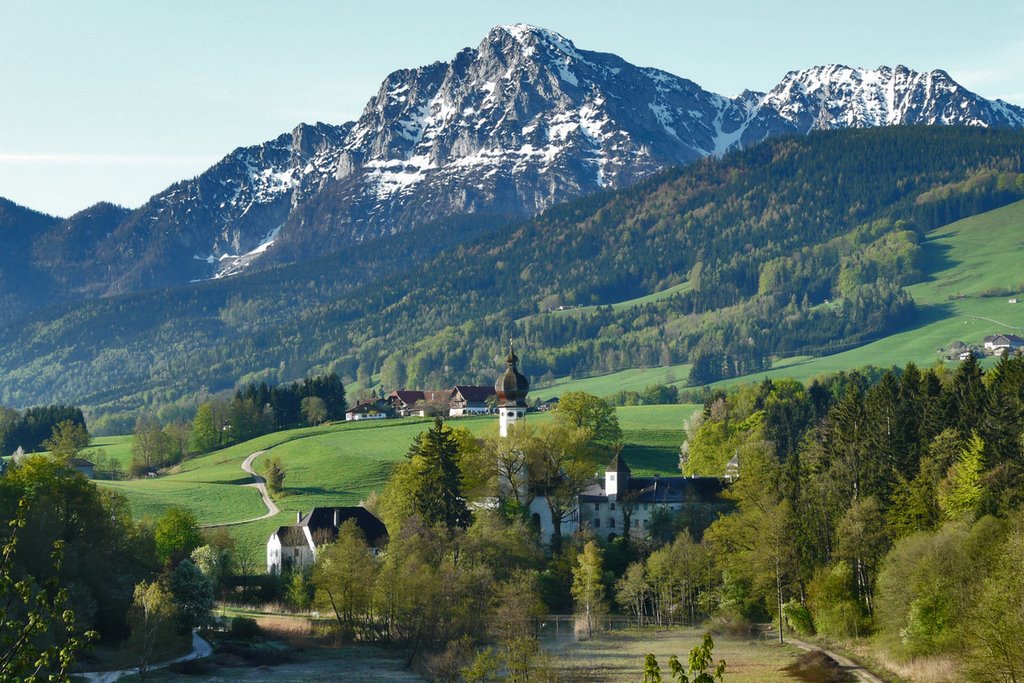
837	96
519	123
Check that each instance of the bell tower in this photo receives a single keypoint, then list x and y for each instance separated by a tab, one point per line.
511	389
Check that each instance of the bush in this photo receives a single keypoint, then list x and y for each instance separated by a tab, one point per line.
798	617
834	605
244	628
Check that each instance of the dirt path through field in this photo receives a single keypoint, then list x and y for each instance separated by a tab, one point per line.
260	484
200	649
849	665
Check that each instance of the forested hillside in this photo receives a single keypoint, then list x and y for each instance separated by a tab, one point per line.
763	236
891	507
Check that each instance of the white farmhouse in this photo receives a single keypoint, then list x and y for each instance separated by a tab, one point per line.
296	546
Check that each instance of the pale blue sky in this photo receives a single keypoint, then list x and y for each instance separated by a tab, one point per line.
116	100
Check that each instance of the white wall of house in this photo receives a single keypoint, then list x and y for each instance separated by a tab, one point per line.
274	554
468	410
279	555
350	417
570	520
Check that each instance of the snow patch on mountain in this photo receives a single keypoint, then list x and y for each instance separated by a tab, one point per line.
523	121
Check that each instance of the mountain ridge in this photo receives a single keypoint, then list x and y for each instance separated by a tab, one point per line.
521	122
760	240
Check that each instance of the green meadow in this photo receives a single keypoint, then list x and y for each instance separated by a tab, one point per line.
117	448
341	464
618	656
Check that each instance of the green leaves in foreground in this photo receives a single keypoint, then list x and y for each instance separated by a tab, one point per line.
699	662
32	614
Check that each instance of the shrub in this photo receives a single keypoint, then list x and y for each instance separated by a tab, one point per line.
798	617
244	628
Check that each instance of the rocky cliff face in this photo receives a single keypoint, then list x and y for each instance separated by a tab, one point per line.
523	121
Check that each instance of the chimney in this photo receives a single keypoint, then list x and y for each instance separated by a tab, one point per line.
335	518
298	517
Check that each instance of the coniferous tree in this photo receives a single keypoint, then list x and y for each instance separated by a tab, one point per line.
969	395
438	496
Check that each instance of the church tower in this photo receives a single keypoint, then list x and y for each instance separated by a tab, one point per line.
511	389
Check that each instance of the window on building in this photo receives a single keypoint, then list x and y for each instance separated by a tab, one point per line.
611	522
597	523
597	507
611	505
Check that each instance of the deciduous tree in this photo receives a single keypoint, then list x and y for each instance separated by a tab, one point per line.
177	535
581	410
343	577
38	635
587	588
67	440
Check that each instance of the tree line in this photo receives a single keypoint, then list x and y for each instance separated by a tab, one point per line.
889	507
254	410
28	429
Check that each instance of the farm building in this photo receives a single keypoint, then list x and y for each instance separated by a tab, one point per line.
296	546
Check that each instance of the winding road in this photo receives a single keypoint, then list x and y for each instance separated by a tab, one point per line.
200	649
260	484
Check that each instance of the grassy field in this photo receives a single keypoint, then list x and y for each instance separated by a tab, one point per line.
618	656
342	464
210	485
619	306
634	379
652	435
211	503
118	448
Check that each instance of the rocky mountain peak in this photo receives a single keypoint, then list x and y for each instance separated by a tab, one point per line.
522	121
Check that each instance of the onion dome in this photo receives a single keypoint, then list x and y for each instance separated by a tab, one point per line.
512	386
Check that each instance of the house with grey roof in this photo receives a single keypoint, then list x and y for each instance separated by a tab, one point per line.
296	546
620	503
1000	344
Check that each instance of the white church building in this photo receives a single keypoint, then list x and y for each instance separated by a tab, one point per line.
612	503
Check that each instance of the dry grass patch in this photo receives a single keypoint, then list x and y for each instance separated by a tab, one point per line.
923	669
618	656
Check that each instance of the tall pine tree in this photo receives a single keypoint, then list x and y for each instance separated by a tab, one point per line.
438	496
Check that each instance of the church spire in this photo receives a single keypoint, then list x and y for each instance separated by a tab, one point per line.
511	389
